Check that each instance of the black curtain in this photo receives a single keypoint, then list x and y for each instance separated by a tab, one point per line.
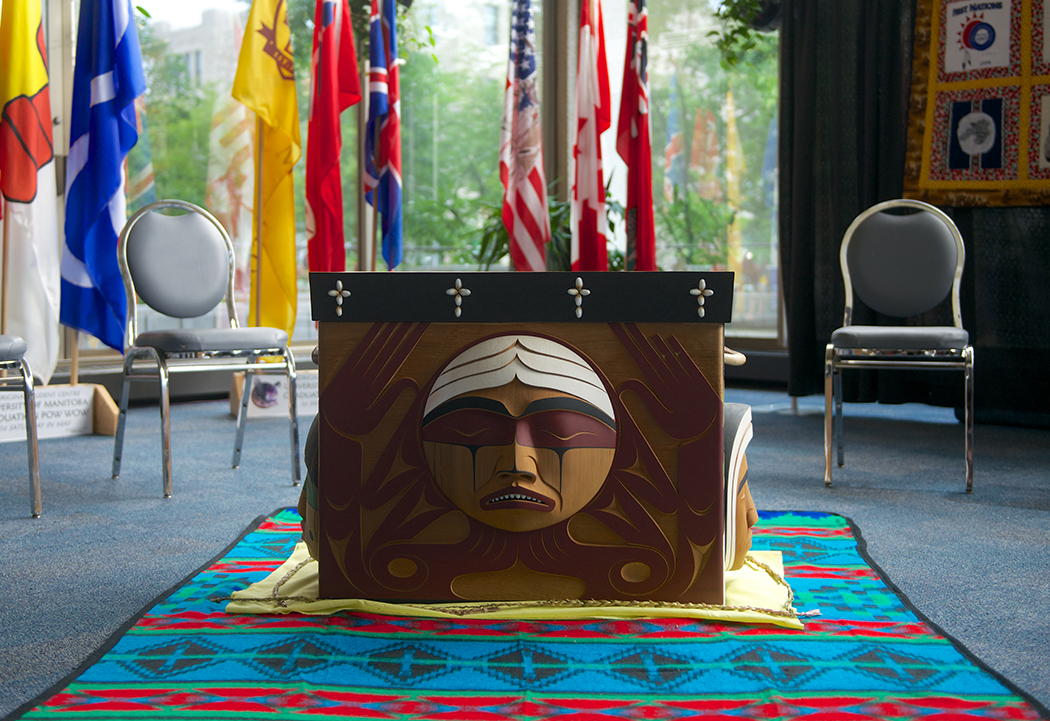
844	94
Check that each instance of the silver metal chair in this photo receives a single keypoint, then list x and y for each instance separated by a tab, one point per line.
183	266
900	266
12	358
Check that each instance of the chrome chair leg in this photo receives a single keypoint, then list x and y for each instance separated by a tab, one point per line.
838	417
293	416
968	419
829	355
122	416
31	440
165	422
242	415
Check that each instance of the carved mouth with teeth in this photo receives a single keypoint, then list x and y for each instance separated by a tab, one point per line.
515	497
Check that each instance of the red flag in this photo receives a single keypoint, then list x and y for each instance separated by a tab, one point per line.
589	223
336	86
633	143
521	148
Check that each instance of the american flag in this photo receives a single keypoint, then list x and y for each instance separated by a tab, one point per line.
521	148
633	143
593	115
383	158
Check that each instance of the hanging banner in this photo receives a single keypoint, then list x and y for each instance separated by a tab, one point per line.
980	104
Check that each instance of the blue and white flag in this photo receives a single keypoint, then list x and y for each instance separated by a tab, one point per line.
383	158
107	79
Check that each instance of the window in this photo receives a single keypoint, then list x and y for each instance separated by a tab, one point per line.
491	16
713	136
452	103
714	155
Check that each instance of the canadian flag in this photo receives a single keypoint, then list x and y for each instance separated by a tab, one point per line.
593	114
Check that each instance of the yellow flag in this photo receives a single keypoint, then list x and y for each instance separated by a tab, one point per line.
31	285
265	82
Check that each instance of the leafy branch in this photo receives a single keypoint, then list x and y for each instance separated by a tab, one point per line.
743	22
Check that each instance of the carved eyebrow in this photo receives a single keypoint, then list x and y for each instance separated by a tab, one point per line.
569	404
574	405
466	403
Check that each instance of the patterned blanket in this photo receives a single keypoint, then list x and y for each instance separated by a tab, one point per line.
867	656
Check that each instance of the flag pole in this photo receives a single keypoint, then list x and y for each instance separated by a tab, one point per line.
258	219
375	195
363	242
74	359
3	275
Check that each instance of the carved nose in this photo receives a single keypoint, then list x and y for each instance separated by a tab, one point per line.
523	466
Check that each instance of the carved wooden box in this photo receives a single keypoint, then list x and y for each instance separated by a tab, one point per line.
510	436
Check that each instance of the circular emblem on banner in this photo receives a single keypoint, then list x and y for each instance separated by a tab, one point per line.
978	35
976	133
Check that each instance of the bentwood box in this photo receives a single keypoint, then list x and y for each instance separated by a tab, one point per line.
521	436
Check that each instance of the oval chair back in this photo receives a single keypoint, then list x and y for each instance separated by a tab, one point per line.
902	265
178	265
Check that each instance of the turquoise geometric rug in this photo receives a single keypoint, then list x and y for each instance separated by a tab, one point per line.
868	655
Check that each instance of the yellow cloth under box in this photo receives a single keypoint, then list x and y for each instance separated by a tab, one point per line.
757	593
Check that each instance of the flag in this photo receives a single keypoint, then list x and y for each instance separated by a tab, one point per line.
383	158
735	168
27	183
138	167
674	151
265	82
335	88
107	79
593	114
770	166
633	142
704	160
231	177
521	148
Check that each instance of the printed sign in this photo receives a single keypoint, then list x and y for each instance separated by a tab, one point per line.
61	411
269	395
977	35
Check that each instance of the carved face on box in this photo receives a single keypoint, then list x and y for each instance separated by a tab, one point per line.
519	432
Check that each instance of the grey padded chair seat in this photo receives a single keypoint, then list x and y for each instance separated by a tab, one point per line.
12	358
12	348
902	337
202	340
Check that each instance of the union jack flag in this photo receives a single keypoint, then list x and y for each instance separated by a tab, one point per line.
521	148
383	154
